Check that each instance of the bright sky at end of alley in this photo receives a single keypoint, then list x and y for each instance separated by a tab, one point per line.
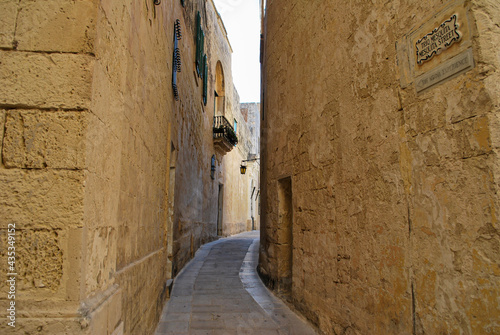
242	21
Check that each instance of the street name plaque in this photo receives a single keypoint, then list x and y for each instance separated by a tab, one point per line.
460	63
441	38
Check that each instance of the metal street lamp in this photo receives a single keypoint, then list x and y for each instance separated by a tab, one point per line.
243	168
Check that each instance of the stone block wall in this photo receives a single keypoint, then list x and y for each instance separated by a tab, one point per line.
251	113
236	209
196	211
236	216
45	98
126	187
196	193
394	192
104	173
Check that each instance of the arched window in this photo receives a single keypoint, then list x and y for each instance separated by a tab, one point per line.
219	90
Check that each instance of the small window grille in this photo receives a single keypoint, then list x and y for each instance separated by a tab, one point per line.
176	61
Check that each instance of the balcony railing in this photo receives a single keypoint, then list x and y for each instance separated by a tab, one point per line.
224	133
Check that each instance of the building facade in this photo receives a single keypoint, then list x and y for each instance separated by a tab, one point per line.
250	111
380	138
111	161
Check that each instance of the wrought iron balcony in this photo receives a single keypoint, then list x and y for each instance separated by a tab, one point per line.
224	136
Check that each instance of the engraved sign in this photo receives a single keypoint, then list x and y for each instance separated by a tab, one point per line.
438	40
458	64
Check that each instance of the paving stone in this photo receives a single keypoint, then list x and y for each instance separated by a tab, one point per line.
174	327
219	292
206	308
206	324
176	317
201	332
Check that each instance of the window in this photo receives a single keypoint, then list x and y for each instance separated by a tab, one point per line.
219	90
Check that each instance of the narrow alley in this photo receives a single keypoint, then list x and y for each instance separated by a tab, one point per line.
249	167
219	292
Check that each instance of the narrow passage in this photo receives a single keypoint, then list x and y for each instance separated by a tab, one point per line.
219	292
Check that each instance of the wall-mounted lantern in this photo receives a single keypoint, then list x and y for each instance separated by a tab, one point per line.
212	168
243	167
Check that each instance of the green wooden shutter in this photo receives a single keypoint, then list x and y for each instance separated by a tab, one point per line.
205	79
198	43
202	44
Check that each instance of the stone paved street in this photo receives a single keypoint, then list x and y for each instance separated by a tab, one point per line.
219	292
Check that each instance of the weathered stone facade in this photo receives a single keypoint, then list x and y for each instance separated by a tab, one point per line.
105	175
250	112
380	203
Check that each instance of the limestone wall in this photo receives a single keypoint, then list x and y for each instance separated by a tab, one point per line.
195	209
196	200
393	192
128	155
251	113
237	186
104	173
45	101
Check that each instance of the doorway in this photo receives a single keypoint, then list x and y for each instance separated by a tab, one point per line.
252	188
220	207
